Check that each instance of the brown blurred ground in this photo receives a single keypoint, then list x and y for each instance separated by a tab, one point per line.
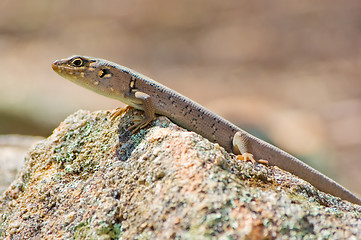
287	71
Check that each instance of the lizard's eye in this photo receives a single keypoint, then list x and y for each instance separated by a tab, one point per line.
77	62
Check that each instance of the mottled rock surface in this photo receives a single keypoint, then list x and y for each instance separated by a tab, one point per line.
92	179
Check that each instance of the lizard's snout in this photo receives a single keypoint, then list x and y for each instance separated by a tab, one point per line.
58	66
54	65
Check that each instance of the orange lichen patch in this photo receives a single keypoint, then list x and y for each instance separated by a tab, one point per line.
183	166
159	135
249	222
186	169
242	215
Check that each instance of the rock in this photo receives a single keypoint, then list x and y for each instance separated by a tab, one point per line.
13	149
92	179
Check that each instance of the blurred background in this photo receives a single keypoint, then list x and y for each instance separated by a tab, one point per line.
286	71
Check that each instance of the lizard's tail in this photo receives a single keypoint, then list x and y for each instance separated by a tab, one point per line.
285	161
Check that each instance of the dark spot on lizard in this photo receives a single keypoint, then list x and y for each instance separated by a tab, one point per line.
105	73
132	84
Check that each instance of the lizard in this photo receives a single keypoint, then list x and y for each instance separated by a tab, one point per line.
143	93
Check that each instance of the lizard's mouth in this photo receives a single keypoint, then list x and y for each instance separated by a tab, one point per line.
58	66
65	71
55	66
61	67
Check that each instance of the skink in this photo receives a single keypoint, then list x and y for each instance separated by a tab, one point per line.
121	83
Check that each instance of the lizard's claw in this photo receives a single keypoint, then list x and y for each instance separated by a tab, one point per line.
139	123
119	111
249	158
246	157
265	162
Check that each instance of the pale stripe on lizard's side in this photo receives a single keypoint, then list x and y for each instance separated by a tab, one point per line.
141	92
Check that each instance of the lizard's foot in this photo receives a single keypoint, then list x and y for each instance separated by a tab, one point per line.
119	111
139	123
265	162
249	158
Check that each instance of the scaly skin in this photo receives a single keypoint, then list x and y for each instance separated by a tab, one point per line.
141	92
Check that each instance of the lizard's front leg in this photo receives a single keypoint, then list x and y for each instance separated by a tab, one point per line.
148	108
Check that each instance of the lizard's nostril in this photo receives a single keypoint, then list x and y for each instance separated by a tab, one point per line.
54	65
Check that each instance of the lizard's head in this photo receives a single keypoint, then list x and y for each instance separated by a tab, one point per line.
88	72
